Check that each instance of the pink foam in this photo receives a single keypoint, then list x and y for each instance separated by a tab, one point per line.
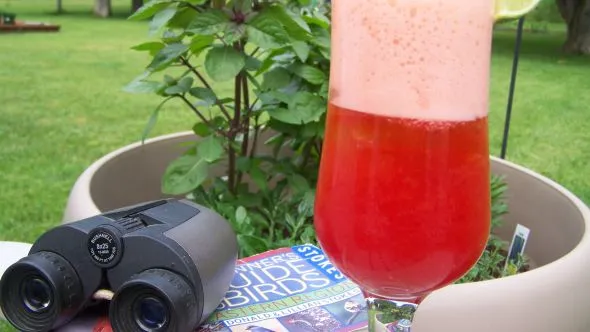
422	59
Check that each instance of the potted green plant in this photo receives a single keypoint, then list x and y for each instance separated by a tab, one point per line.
248	70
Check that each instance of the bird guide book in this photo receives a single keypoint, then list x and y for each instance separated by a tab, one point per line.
293	289
289	289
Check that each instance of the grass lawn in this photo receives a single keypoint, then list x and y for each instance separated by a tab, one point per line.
61	108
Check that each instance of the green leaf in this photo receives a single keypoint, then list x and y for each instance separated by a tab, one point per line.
183	18
246	6
233	32
166	56
149	9
199	43
241	215
324	89
209	23
253	81
251	244
270	59
161	19
249	200
319	20
313	129
174	90
224	63
181	87
210	149
298	183
308	73
204	94
201	129
243	164
170	36
252	63
259	178
184	175
152	121
310	106
170	80
293	23
263	117
303	108
306	207
260	38
308	235
301	49
275	96
186	83
321	37
290	220
151	47
276	79
266	31
142	87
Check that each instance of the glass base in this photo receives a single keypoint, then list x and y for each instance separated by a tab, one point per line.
390	316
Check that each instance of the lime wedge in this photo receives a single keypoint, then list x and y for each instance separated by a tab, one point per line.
507	10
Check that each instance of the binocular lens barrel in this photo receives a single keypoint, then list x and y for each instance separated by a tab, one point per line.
158	300
150	313
36	293
40	291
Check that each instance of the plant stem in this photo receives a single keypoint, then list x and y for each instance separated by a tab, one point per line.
255	139
200	115
306	154
255	51
271	229
318	147
248	110
221	39
246	130
264	215
235	126
205	83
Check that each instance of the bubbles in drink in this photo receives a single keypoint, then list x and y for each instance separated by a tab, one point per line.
431	55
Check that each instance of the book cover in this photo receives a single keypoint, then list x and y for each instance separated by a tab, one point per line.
289	289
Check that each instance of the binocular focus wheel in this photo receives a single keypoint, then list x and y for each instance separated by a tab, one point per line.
155	300
39	292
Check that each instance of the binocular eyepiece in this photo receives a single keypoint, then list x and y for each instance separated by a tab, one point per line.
169	264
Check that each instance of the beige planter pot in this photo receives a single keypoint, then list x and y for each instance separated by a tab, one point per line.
554	296
126	176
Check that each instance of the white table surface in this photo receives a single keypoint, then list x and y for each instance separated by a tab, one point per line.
10	252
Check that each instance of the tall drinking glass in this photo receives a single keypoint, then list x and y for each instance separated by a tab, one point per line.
403	199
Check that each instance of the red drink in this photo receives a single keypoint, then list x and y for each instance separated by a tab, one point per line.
403	205
403	197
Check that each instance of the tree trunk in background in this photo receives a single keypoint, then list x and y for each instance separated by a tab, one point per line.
59	7
135	5
102	8
576	14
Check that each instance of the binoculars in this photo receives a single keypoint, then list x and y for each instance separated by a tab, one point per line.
169	263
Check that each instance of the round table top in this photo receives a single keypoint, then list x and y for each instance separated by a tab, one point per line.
10	252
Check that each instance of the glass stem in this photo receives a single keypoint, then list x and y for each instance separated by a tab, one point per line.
389	316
